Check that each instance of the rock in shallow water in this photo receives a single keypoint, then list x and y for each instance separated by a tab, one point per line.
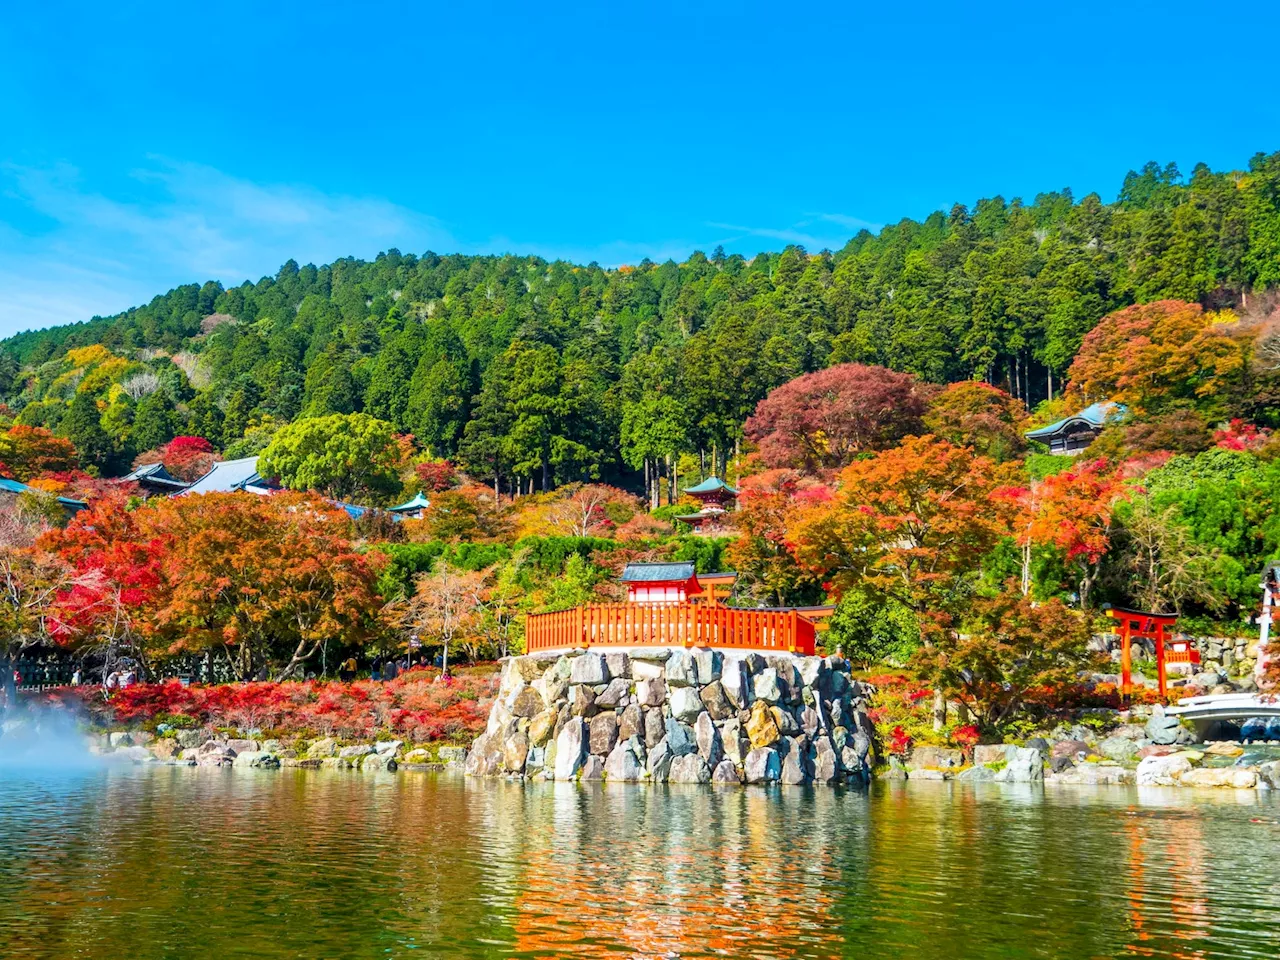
690	768
571	749
763	765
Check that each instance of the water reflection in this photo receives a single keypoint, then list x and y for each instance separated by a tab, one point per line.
176	863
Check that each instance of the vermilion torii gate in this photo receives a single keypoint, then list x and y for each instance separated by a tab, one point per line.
1138	624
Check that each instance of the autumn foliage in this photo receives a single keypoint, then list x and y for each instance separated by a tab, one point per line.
909	524
1152	354
416	706
823	419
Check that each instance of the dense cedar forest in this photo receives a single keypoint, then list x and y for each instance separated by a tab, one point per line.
537	373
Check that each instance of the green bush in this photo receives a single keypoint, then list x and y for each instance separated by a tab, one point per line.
872	633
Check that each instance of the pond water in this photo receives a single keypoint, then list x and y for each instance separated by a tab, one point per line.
190	862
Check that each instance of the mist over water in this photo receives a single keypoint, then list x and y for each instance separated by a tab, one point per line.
38	738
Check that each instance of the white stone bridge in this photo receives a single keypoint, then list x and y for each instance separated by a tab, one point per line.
1203	711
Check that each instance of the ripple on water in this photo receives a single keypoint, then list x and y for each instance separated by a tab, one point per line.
175	862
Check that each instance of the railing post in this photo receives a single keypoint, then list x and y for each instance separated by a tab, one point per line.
793	629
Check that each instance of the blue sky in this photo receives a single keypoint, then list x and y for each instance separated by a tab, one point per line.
146	145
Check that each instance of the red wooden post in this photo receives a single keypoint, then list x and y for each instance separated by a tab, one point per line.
1126	676
1160	667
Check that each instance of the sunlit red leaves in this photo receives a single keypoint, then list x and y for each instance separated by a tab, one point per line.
1146	355
907	523
1070	510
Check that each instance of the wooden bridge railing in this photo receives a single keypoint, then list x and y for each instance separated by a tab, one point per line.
670	625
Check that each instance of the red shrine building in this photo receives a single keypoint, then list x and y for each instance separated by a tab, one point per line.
660	582
715	496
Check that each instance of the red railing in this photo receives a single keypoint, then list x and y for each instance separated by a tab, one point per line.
670	625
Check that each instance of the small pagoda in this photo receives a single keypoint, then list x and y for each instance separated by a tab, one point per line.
713	494
412	509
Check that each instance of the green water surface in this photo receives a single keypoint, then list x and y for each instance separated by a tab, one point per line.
181	862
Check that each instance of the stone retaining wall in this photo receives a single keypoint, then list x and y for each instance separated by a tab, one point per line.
677	716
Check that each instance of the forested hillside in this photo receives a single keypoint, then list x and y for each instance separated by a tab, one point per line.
541	372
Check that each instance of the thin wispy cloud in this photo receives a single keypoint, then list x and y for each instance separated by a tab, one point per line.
186	223
813	232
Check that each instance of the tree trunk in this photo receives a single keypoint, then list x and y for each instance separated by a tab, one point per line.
671	482
444	660
10	686
1026	568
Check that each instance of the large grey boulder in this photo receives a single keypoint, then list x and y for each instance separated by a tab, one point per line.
977	775
658	762
726	772
690	768
256	758
686	704
1162	729
812	670
707	665
942	758
763	765
767	687
796	767
613	695
376	761
590	668
680	738
1120	749
734	743
355	752
788	677
571	749
319	749
619	665
1162	771
1026	765
826	763
736	683
1269	773
486	756
851	762
514	752
552	687
592	769
651	693
631	723
604	734
710	747
680	669
655	728
190	738
717	704
626	761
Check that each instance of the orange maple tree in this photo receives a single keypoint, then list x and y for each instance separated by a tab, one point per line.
910	524
1150	354
1072	511
270	580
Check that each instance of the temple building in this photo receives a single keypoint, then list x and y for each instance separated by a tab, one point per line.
155	481
713	494
411	508
1072	434
660	582
229	476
